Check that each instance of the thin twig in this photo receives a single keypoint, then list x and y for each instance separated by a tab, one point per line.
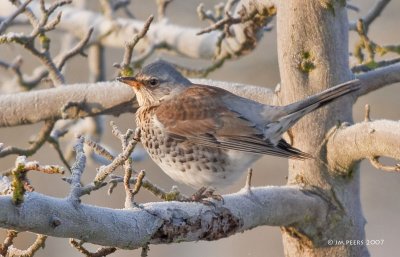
41	138
8	241
372	14
145	250
56	145
96	63
129	46
98	149
139	182
106	170
40	26
367	113
248	179
103	251
229	20
31	250
173	195
162	7
5	23
77	170
202	72
380	166
371	66
78	49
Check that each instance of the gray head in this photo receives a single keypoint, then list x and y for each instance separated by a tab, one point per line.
156	82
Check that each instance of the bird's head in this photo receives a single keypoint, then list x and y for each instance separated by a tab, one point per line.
156	82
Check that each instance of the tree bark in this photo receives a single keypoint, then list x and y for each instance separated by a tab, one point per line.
313	55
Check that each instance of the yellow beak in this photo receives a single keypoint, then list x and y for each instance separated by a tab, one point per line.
130	81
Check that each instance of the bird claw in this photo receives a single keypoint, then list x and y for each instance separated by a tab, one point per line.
203	193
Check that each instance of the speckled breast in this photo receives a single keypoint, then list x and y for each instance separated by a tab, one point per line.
182	160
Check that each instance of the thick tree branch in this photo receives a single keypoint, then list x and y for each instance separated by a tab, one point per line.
163	222
368	139
378	78
72	101
81	100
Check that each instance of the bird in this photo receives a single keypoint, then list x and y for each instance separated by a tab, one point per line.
205	136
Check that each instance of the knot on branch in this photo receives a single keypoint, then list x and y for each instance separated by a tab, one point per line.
74	110
212	225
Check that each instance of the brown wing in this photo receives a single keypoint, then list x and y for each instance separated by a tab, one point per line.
199	115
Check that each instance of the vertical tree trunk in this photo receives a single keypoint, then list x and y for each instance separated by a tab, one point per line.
313	55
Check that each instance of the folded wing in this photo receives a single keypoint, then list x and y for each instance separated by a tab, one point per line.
200	116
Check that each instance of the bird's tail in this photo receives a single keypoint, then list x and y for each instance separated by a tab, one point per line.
318	100
295	111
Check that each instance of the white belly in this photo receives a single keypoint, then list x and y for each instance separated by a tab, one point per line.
235	166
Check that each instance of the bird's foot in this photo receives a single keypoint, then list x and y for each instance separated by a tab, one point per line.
202	194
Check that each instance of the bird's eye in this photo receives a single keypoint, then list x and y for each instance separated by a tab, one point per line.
153	82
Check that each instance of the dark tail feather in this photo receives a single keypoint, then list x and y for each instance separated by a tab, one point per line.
292	152
316	101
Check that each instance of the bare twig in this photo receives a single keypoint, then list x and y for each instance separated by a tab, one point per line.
106	170
98	149
367	113
107	8
96	63
138	185
229	21
202	72
28	13
206	15
41	138
5	23
56	145
8	241
39	243
124	66
123	4
78	49
129	195
40	27
248	179
371	66
380	166
20	183
103	251
366	44
173	195
372	14
28	82
77	170
145	250
162	7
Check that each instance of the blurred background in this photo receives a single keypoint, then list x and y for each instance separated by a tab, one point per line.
379	190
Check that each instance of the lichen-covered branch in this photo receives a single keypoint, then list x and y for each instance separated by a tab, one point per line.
163	222
365	140
372	14
82	100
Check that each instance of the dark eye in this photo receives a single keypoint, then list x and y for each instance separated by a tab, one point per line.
153	82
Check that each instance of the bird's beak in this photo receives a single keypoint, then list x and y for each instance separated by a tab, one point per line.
130	81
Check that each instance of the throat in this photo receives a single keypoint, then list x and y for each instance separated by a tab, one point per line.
143	114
